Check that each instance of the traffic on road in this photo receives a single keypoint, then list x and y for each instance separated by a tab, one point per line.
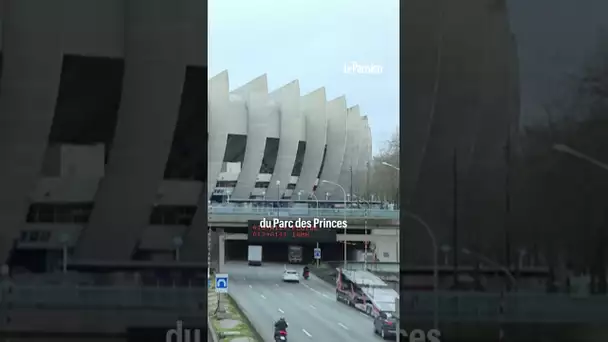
309	306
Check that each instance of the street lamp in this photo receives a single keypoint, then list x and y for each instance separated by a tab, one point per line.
177	243
299	195
396	168
64	239
264	195
391	166
278	183
344	192
365	214
316	200
446	250
228	192
492	262
435	264
568	150
520	262
501	332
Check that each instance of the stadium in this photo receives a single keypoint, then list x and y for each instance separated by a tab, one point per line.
279	144
104	133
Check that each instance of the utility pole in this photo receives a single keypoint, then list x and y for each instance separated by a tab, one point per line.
456	249
507	229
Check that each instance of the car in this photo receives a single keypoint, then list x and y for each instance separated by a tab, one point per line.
385	325
291	276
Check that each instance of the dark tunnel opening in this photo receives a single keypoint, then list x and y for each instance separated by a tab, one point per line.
236	250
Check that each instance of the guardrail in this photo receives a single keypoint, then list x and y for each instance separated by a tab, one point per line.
509	307
304	212
99	297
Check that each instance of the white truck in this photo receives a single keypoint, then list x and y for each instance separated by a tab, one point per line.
295	254
254	256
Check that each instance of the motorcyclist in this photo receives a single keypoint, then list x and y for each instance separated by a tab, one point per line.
306	270
280	325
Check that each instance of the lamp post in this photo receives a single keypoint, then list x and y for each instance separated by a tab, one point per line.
264	195
299	195
494	263
228	192
395	168
435	265
278	183
501	332
391	166
64	239
568	150
316	200
446	250
365	214
344	193
177	243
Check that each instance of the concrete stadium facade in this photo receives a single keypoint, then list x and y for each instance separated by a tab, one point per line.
153	45
325	138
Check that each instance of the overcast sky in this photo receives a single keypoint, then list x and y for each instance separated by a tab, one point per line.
555	38
312	40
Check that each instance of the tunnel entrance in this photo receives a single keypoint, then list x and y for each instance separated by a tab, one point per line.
236	250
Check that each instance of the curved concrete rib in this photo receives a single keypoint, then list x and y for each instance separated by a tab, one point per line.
313	107
336	145
258	117
218	110
148	113
290	130
29	87
363	160
352	146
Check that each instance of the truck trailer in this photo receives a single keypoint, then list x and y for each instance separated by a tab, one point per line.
254	256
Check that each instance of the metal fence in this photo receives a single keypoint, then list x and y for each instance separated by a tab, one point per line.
99	297
509	307
300	212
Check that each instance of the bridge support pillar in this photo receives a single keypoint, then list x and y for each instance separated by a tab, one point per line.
221	249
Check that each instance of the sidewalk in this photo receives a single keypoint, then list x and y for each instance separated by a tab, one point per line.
228	323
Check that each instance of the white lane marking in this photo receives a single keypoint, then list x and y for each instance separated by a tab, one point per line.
277	285
281	311
312	306
262	296
250	286
343	326
307	333
318	292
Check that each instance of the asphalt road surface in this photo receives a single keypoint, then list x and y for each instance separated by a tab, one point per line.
310	308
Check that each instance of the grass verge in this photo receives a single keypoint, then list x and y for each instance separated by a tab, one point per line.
244	328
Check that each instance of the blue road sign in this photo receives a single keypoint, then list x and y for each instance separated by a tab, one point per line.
317	253
221	283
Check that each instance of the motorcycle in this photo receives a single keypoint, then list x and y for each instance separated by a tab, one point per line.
280	336
306	273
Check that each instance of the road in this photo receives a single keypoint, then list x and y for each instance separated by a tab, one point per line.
310	307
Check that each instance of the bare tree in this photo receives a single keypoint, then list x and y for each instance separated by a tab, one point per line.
564	199
384	182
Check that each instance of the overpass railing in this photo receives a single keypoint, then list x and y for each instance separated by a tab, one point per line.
262	212
100	297
510	307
